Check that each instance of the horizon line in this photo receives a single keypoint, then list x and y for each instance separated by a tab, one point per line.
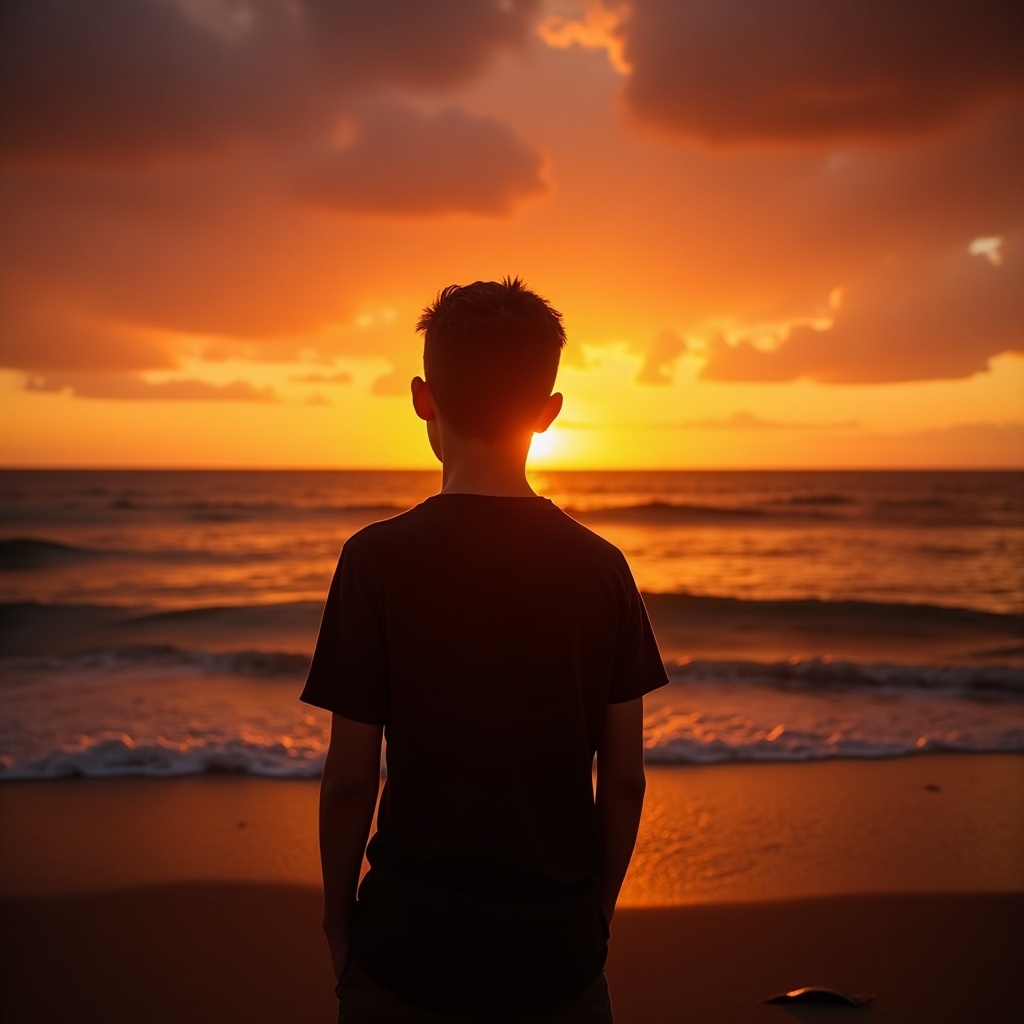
65	468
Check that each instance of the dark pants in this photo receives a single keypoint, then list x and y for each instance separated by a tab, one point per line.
362	1000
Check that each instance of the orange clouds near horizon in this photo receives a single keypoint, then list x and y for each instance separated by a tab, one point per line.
782	233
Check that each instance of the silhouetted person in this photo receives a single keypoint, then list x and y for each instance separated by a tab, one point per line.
498	645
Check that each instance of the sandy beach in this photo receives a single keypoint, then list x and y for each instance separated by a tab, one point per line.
196	899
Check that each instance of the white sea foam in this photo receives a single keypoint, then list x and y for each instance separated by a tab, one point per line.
710	722
282	758
113	757
799	745
179	728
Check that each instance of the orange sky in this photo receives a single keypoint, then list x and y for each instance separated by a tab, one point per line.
782	232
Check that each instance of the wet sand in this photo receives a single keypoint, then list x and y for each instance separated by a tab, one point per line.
196	899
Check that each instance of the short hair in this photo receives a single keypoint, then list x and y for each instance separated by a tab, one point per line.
490	356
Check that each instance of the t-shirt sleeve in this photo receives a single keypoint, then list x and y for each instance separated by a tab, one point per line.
349	671
638	665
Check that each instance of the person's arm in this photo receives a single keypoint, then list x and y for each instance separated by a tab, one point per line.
348	795
620	794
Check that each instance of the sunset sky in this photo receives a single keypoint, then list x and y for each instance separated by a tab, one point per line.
782	232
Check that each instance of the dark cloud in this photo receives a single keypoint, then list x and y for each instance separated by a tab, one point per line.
435	45
150	147
135	269
124	387
407	162
727	71
122	81
913	320
127	80
927	196
660	359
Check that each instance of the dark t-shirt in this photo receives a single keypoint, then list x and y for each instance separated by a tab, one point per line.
486	634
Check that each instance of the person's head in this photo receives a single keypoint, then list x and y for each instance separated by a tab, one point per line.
490	356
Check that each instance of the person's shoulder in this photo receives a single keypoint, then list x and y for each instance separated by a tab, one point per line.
383	531
593	542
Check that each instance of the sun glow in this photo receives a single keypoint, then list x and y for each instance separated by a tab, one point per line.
547	447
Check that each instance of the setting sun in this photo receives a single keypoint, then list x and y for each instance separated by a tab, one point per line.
549	448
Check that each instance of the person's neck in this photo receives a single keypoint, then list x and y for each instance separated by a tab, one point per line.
475	467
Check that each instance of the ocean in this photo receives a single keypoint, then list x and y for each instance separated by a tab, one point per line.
159	623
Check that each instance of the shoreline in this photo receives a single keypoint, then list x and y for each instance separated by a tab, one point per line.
724	833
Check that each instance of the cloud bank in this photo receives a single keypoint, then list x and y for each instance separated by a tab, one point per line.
912	320
243	179
406	162
114	84
785	71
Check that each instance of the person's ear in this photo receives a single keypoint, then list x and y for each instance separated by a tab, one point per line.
423	399
552	407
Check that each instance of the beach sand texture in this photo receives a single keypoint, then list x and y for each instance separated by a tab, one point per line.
196	899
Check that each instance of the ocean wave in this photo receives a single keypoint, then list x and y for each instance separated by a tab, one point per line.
36	629
798	746
948	550
824	508
679	602
236	512
20	554
164	657
818	674
255	616
653	512
683	621
822	499
858	614
32	553
120	756
229	510
666	743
